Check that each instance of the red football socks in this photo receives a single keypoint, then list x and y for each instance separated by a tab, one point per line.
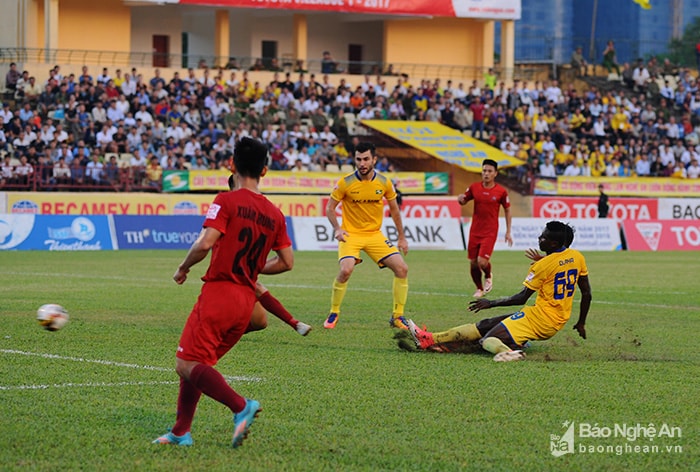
212	384
275	307
475	272
186	406
487	271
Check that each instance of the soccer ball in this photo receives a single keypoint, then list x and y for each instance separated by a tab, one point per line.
52	317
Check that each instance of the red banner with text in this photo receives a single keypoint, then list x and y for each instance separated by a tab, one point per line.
417	207
564	208
662	235
493	9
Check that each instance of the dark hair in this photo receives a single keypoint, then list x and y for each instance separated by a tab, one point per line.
490	162
231	183
561	233
364	147
250	157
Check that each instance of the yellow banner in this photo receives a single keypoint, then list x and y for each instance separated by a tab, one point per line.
629	186
290	205
444	143
298	182
56	203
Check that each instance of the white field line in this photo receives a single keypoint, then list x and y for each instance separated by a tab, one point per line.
467	296
91	384
370	289
115	364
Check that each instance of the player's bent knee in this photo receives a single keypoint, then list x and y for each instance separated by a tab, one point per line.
184	368
401	271
258	318
346	269
260	289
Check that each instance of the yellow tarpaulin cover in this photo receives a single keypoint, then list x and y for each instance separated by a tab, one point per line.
444	143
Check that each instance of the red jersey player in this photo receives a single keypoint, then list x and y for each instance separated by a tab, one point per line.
241	228
488	197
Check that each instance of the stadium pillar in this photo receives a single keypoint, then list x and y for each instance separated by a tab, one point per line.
50	29
508	50
300	37
222	39
485	56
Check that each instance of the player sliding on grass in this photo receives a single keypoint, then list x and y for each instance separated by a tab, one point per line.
241	228
363	193
554	277
266	302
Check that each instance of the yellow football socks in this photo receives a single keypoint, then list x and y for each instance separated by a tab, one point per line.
337	295
467	332
400	291
494	345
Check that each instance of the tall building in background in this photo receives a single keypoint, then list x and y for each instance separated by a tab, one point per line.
550	30
544	30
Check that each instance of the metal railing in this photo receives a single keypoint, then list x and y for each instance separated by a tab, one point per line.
129	179
285	64
540	48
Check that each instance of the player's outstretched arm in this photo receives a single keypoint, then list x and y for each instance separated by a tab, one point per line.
198	251
586	296
518	299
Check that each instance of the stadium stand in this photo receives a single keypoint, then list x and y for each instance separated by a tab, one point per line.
87	132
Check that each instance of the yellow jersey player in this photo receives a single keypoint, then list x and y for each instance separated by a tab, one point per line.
554	277
363	193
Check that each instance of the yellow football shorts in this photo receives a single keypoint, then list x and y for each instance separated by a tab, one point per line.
525	326
375	245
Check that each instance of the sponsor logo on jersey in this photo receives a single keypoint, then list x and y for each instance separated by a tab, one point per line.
213	211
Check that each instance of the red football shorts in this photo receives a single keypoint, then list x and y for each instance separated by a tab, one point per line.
480	247
216	323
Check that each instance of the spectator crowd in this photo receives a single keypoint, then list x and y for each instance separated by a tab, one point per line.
100	130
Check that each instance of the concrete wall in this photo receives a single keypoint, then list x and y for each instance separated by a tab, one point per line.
103	25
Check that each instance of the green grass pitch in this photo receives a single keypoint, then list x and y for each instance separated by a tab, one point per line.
93	395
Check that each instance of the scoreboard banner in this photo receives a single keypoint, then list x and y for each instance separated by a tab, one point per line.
492	9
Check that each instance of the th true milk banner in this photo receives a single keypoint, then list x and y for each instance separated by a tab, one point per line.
56	233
